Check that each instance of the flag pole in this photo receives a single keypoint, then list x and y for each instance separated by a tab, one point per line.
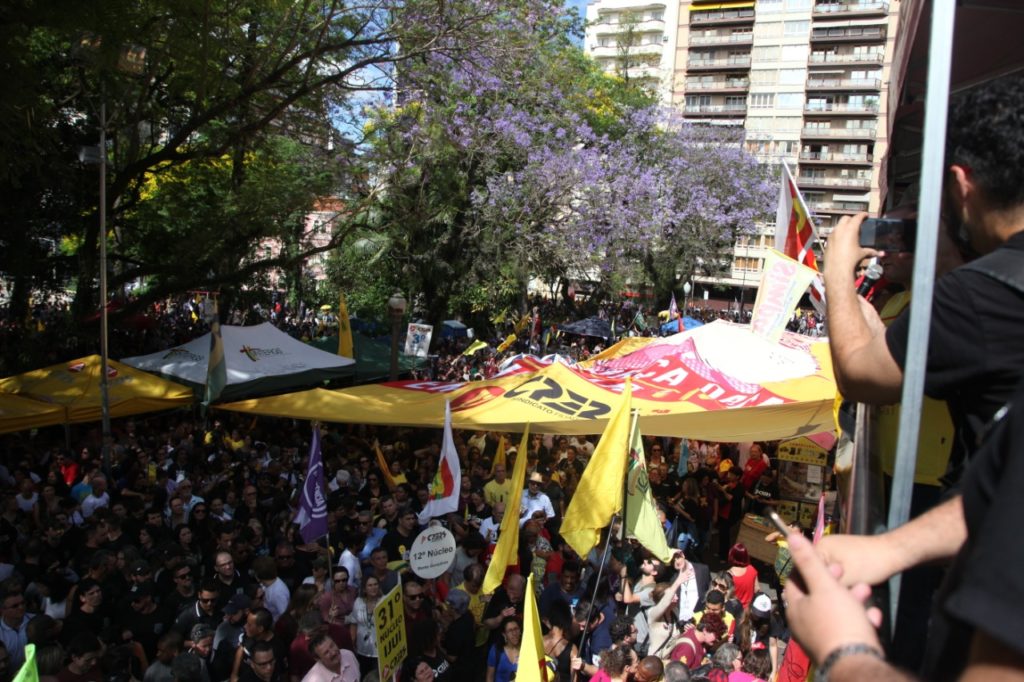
635	414
597	586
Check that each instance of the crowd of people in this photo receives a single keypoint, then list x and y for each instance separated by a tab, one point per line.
183	561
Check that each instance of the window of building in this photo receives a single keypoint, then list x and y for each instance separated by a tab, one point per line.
793	5
794	53
772	29
764	77
735	102
657	15
768	6
762	100
765	54
698	100
796	28
789	100
792	76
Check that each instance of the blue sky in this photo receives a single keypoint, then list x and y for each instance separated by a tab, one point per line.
579	5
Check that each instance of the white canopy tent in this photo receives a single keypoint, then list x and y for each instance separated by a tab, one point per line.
260	359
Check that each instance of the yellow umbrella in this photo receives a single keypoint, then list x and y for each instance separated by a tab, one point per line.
74	388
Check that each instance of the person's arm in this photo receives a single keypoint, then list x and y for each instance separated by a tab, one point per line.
864	368
936	535
658	610
492	662
236	666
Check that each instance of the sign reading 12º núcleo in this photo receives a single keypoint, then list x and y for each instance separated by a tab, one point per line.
432	552
389	619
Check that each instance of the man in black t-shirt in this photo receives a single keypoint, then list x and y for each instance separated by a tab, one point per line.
398	542
974	357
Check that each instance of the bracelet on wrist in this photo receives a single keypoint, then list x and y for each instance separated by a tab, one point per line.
839	653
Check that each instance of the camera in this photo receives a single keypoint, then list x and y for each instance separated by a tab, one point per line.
888	234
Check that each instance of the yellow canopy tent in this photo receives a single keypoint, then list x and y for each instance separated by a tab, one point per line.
18	414
774	391
73	388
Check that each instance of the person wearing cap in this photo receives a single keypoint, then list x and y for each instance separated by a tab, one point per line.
144	619
459	639
534	501
235	612
761	626
140	572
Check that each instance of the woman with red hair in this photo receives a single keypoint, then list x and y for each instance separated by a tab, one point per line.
744	576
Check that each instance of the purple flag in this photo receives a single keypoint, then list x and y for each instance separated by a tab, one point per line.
312	516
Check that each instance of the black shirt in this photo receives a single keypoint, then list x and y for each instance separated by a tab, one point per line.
975	353
984	590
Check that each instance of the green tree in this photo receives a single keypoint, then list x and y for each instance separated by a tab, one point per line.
218	80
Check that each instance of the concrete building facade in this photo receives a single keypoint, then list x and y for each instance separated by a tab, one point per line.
806	79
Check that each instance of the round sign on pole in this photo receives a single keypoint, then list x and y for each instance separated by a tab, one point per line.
432	552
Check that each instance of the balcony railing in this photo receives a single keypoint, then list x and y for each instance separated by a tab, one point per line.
842	133
843	206
829	107
835	156
728	39
737	84
715	17
844	83
846	34
716	63
715	108
851	7
853	183
851	58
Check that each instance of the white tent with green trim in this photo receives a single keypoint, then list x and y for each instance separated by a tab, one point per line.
261	359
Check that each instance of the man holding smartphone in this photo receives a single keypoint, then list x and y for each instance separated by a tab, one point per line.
975	361
975	357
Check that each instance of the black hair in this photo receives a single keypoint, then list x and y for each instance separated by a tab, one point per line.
985	134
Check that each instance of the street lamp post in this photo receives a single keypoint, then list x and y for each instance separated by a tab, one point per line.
131	60
396	310
687	288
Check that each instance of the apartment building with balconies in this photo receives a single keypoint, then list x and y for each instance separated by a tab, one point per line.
806	79
635	39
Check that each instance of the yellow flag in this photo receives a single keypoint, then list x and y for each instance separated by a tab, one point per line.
599	494
509	340
345	348
508	535
499	456
532	663
642	520
385	470
474	347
